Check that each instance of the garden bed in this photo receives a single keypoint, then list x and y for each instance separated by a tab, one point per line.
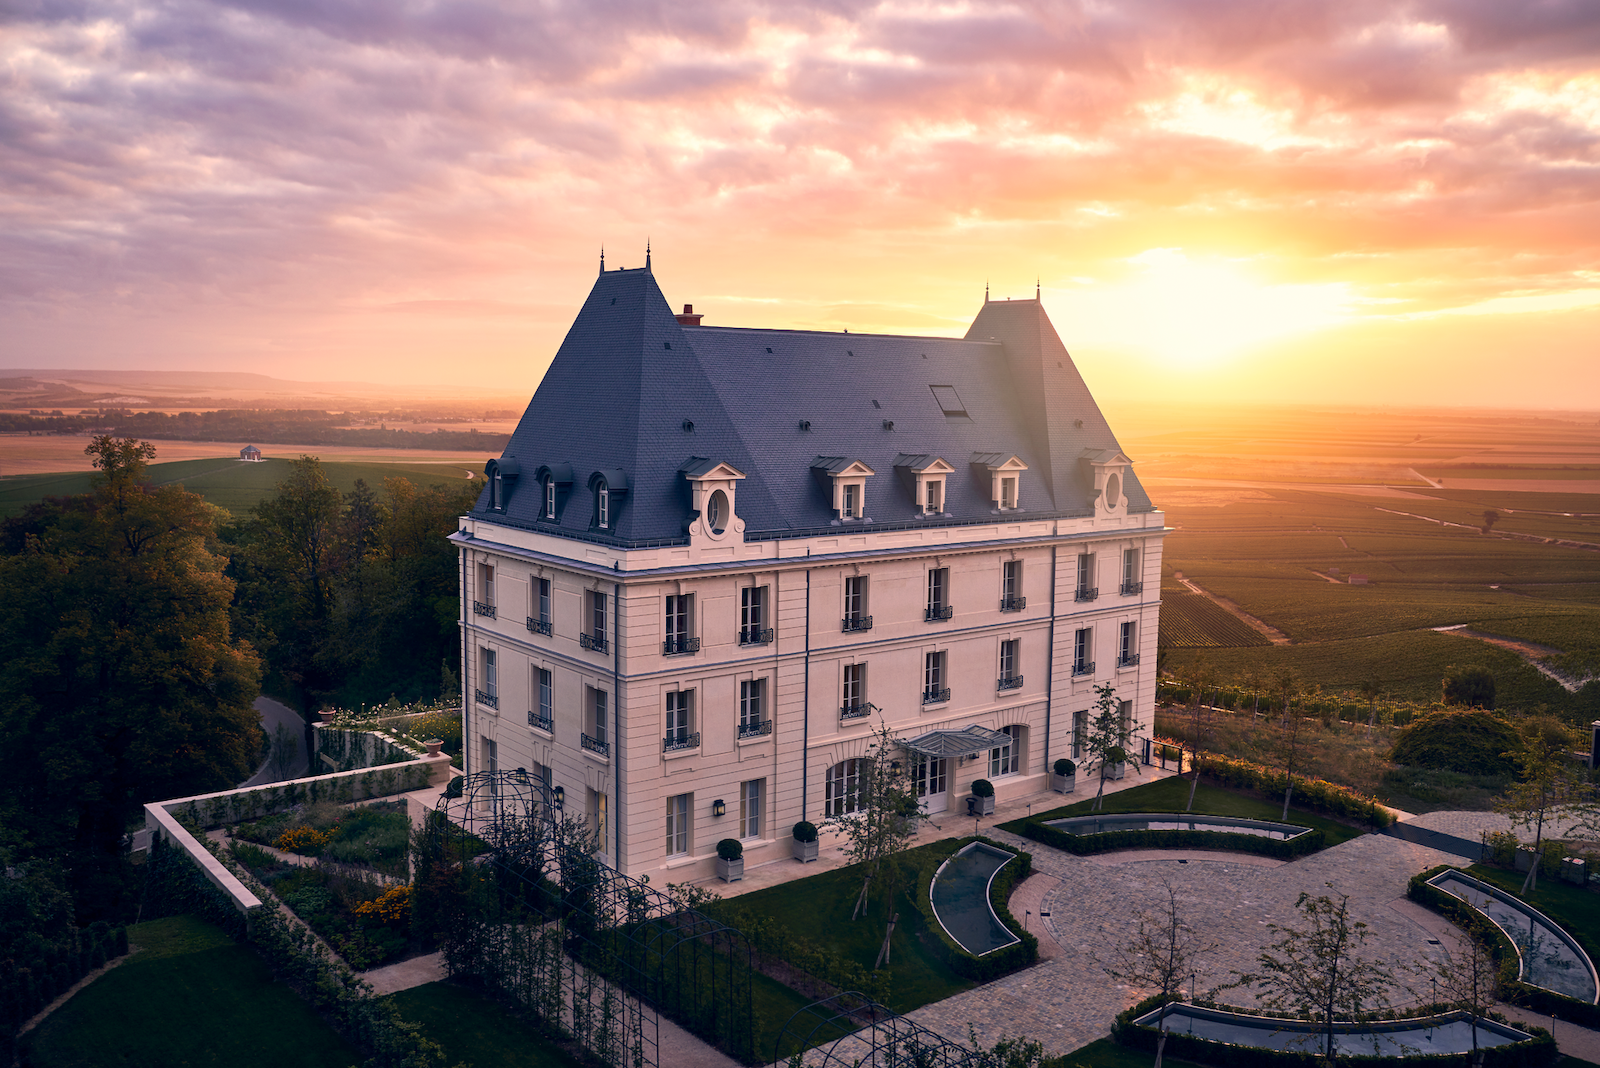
375	836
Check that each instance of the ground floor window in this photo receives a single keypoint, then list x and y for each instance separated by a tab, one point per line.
1006	759
598	815
842	789
678	824
751	795
1080	733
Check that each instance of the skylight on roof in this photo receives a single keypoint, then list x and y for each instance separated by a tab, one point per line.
949	401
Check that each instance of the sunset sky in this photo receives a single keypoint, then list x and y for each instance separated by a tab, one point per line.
1340	201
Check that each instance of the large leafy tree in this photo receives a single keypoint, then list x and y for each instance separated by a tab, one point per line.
120	679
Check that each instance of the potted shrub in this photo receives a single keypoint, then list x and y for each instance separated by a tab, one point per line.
730	860
805	841
1064	776
981	803
1116	762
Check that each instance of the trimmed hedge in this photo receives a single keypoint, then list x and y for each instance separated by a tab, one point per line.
1483	931
999	962
1535	1054
50	968
1315	794
1106	841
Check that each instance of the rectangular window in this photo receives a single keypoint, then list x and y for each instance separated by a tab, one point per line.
855	601
750	796
541	602
680	625
1008	658
752	714
852	502
842	788
1128	645
543	713
678	824
1080	734
600	717
939	594
1005	759
1082	649
933	671
595	637
550	498
1125	715
491	677
1130	566
680	720
602	508
486	583
1011	599
753	616
1008	492
1086	587
933	496
598	817
855	688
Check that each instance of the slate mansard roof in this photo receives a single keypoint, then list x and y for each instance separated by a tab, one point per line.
634	396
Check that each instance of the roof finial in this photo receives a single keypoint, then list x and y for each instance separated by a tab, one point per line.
986	291
647	253
1036	289
602	259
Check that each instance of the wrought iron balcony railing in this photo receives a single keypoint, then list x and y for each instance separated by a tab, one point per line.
678	646
543	721
857	710
538	626
755	730
1083	668
595	745
1128	661
1131	588
1087	593
937	612
1010	682
1013	604
484	698
855	623
479	608
680	740
755	635
597	642
935	695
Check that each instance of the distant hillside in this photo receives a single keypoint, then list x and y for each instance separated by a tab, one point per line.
263	426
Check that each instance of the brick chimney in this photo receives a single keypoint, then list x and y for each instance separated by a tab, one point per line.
688	318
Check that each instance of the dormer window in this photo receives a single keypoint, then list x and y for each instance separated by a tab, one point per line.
1108	471
933	500
845	480
549	497
1008	492
925	477
713	488
555	482
607	486
602	507
1004	473
500	473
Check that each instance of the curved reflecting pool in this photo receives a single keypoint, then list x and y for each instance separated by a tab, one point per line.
1446	1033
1168	821
1548	955
960	892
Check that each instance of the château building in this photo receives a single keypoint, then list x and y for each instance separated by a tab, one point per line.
713	559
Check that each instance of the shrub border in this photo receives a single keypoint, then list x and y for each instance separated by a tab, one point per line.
1036	828
1541	1051
992	965
1482	930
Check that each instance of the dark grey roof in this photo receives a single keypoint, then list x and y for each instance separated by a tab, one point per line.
633	394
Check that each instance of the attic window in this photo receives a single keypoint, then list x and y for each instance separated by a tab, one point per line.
949	401
769	348
666	344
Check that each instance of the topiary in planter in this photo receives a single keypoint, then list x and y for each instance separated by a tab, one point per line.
730	849
1065	767
982	788
1116	755
805	831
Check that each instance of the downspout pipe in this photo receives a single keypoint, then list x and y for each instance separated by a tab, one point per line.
466	705
805	706
618	719
1050	674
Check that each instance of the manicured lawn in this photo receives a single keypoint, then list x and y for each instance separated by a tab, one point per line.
1107	1054
477	1030
1576	909
190	995
818	908
1172	795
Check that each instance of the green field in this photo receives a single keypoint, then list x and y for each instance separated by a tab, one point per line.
226	482
189	995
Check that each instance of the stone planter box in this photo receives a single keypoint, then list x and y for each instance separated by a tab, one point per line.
1116	771
1063	784
804	852
980	806
730	871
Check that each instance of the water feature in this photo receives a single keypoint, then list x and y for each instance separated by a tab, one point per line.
960	891
1168	821
1447	1033
1549	957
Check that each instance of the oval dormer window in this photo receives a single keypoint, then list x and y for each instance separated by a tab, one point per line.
717	512
1113	491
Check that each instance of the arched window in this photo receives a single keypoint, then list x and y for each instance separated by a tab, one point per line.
842	790
602	507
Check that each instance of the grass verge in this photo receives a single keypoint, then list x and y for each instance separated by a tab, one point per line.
477	1030
189	995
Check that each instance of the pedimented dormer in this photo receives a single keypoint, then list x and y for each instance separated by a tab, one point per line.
1005	478
714	486
925	477
846	480
1109	472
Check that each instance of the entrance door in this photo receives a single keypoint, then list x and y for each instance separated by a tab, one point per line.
931	783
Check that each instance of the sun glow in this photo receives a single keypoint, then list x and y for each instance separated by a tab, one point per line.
1191	314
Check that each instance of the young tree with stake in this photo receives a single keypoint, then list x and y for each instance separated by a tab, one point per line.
1109	737
1162	951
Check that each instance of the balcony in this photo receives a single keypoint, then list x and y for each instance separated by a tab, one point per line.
1130	589
1087	593
679	646
1010	682
851	624
595	745
1083	668
935	695
597	642
1128	661
937	612
538	626
755	635
543	721
481	609
679	741
486	698
1013	604
755	730
857	710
